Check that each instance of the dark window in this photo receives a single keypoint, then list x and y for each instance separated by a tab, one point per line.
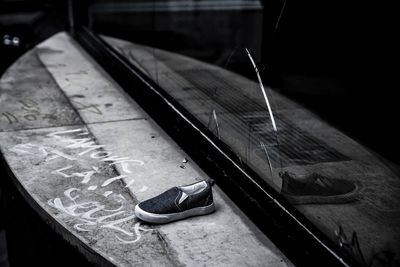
220	61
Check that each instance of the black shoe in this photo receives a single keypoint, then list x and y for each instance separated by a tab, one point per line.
318	189
178	203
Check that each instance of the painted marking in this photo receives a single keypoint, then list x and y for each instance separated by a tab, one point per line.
107	193
90	146
137	230
60	171
143	189
10	117
60	154
86	212
22	148
86	175
91	215
30	117
93	108
100	154
29	111
68	193
57	134
130	182
109	181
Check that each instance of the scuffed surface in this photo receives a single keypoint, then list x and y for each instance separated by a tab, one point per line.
30	98
54	174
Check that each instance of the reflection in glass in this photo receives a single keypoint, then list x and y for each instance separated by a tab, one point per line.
196	51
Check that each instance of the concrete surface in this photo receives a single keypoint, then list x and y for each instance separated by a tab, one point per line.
97	154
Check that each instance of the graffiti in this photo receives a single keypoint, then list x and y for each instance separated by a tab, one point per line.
93	214
29	110
11	118
73	151
93	108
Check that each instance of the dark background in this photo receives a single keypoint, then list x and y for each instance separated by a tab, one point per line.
28	23
337	57
334	56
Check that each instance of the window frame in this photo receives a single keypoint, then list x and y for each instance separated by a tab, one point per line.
300	240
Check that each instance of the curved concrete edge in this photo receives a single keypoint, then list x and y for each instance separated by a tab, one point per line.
88	173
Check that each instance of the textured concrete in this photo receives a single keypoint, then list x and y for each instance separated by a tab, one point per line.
89	89
99	156
224	238
30	98
72	188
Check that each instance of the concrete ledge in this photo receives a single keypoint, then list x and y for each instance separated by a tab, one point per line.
86	154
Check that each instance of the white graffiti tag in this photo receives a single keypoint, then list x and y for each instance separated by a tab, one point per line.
93	214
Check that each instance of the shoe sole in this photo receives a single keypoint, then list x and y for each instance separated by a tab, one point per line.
165	218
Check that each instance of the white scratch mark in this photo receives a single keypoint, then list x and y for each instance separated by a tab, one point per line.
130	182
93	187
266	153
263	90
216	122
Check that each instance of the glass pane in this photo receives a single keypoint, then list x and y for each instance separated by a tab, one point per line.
217	59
